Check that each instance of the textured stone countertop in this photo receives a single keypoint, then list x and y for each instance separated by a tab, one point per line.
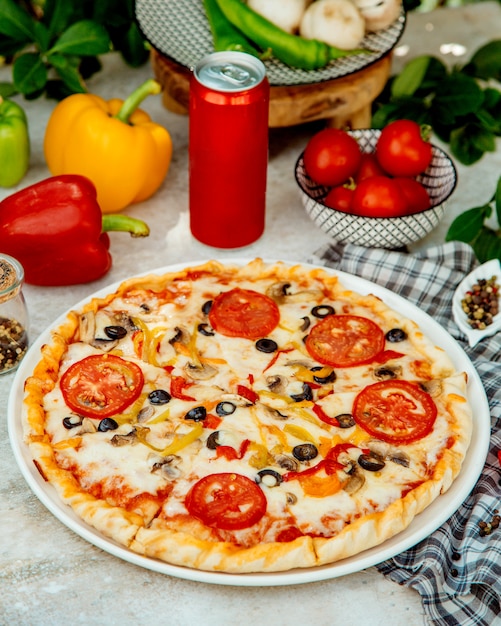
51	576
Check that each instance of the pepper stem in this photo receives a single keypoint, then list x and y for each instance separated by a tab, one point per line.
148	88
125	223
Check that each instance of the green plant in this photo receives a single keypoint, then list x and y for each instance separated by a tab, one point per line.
53	45
462	105
471	228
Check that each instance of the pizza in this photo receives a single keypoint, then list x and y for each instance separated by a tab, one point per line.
242	418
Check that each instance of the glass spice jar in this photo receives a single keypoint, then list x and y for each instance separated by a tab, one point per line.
13	314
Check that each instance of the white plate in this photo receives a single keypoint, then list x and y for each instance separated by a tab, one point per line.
487	270
422	526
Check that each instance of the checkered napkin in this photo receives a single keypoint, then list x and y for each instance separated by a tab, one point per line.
457	570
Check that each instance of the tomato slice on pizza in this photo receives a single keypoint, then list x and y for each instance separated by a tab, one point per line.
227	501
101	385
345	340
244	313
396	411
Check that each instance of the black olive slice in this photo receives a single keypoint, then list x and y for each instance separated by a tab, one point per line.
305	452
196	414
306	394
385	373
266	345
159	396
72	421
371	462
206	330
322	310
206	307
395	335
269	477
107	424
225	408
323	380
345	420
213	440
115	332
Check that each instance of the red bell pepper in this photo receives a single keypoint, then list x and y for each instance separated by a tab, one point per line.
56	230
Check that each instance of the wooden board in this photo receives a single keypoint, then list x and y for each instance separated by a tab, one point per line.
342	102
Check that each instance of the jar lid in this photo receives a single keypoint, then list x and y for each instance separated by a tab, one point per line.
11	277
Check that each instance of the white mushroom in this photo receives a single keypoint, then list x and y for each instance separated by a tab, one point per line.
286	14
336	22
378	14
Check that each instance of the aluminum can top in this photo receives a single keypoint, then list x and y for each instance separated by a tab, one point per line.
230	71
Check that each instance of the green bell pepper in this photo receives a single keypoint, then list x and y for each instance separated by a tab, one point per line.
14	143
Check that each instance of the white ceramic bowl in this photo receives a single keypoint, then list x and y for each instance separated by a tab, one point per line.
487	270
380	232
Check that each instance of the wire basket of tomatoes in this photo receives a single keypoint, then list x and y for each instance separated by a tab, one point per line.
376	188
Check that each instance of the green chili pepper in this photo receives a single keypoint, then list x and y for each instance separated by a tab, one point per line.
224	34
307	54
14	143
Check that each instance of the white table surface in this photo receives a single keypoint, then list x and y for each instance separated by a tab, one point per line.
48	574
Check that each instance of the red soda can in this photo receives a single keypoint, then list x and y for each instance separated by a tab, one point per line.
228	146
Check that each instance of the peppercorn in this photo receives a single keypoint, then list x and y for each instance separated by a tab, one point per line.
481	303
13	343
486	528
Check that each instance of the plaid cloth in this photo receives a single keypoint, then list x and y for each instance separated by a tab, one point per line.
456	571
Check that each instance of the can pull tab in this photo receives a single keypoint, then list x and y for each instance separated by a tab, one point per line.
234	74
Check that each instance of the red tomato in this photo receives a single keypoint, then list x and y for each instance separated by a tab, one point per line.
331	157
416	196
369	166
345	340
244	313
396	411
340	198
227	501
379	196
101	385
401	149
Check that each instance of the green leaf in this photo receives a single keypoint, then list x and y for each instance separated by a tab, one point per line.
458	94
29	73
10	47
42	36
463	145
490	123
467	226
487	245
59	14
435	74
497	200
383	114
84	38
7	90
492	97
486	62
407	108
15	22
68	69
411	77
132	46
114	13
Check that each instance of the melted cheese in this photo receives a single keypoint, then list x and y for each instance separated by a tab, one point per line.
274	423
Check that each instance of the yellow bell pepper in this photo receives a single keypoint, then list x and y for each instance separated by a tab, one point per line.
113	143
